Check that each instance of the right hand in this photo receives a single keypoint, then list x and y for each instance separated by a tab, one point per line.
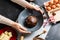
37	8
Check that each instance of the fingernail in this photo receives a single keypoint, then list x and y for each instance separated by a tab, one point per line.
29	32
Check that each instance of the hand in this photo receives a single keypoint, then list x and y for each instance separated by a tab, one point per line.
20	28
37	8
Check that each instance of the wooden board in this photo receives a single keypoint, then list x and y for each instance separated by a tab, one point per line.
53	10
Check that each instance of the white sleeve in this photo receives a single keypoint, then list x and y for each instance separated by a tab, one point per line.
23	3
6	21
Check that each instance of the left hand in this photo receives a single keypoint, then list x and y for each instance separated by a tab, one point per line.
19	28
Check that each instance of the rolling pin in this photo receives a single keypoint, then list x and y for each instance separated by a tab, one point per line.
22	37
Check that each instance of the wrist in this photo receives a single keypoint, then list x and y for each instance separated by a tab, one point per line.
30	7
13	24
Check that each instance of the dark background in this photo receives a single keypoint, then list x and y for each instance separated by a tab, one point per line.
10	9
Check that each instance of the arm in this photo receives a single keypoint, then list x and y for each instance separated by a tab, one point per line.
23	3
13	24
6	21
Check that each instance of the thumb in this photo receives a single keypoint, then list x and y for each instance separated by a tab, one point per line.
22	27
22	31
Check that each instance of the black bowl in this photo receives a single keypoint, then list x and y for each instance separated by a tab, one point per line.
24	14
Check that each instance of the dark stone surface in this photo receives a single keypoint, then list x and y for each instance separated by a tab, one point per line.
54	32
9	10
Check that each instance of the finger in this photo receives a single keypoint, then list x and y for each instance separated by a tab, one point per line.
23	28
46	3
41	11
22	31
